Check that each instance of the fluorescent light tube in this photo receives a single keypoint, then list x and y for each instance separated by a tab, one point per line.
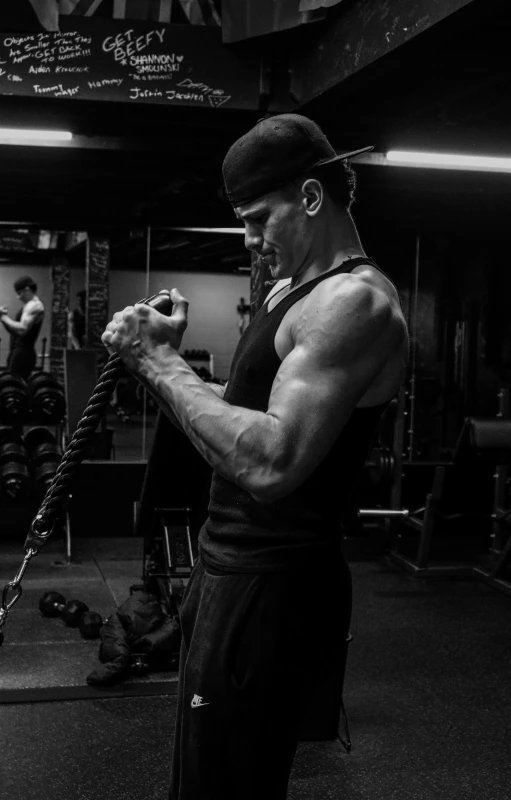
209	230
447	160
22	134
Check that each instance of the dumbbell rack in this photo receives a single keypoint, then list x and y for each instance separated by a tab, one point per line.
23	511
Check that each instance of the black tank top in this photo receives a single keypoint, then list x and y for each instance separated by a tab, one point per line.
26	342
305	527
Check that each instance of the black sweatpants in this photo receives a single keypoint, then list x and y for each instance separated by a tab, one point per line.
254	646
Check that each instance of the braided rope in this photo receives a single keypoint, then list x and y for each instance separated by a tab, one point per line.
58	491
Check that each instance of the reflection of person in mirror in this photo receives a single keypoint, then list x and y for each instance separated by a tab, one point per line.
243	309
24	329
76	324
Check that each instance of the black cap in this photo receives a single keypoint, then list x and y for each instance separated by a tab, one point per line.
275	151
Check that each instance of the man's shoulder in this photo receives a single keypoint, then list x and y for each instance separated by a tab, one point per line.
342	290
34	305
349	307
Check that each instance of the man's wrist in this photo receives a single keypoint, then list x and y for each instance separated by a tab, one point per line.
163	359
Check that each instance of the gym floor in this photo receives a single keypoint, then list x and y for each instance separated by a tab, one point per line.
427	692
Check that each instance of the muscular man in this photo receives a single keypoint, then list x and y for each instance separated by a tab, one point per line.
267	609
24	329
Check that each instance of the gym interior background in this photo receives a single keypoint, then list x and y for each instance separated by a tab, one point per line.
133	204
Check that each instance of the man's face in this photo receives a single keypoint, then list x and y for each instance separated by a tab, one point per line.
23	295
276	229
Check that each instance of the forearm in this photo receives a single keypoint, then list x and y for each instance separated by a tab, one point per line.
166	408
239	443
12	326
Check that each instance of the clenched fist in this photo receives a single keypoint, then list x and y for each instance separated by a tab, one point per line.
137	331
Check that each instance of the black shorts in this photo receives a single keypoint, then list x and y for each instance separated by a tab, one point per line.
254	648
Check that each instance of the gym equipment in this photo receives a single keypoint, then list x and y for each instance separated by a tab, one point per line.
390	513
14	471
171	558
381	466
90	624
197	355
53	604
47	399
45	455
168	510
194	359
14	399
482	444
57	494
43	353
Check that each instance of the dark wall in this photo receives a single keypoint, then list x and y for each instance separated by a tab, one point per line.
460	323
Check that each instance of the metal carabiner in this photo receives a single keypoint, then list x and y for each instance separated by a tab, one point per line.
15	585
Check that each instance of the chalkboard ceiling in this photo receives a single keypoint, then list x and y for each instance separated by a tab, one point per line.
448	89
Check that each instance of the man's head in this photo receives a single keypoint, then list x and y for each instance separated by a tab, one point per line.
25	288
283	178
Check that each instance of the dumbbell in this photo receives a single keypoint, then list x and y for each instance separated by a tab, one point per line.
45	455
14	399
90	625
47	397
53	604
14	472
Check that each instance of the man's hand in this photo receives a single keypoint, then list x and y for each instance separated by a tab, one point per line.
138	330
4	311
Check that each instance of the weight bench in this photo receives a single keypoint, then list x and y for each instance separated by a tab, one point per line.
463	490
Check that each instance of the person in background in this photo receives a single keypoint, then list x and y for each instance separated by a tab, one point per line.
24	329
76	323
243	309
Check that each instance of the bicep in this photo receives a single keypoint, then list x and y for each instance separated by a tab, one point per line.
30	317
319	385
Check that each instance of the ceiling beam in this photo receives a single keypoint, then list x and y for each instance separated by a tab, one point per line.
360	34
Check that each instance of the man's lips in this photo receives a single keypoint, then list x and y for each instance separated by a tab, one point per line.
269	257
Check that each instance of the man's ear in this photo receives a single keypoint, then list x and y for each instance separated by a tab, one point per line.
313	196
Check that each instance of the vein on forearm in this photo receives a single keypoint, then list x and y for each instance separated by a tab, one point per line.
239	443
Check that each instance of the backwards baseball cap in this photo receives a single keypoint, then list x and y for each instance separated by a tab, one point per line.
275	151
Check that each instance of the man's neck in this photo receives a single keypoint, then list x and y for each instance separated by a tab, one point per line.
337	243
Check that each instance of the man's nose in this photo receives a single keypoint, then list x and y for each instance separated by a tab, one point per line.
253	239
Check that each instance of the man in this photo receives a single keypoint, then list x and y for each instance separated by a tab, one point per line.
243	309
267	609
24	329
76	323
